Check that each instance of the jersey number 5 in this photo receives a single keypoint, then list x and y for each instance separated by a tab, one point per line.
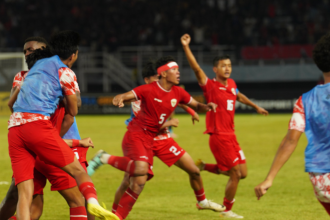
162	118
230	105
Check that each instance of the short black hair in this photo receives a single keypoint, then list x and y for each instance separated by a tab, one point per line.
65	43
321	53
218	58
149	69
38	54
164	60
38	39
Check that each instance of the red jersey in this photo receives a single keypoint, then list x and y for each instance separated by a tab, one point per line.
221	121
157	104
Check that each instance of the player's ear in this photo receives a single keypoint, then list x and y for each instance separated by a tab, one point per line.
163	74
214	69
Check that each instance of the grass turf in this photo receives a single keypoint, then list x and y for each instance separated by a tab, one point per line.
169	196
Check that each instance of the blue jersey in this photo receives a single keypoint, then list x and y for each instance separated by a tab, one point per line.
316	107
41	91
73	132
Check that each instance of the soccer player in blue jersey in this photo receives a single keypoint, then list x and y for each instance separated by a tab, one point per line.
30	129
310	115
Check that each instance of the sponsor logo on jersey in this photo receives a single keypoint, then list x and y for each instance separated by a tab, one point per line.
222	88
158	100
233	90
173	102
145	157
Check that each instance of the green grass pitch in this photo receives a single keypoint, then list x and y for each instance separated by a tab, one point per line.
169	196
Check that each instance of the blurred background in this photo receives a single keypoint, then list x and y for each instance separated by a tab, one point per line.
270	43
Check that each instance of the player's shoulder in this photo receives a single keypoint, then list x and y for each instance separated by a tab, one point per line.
231	82
66	71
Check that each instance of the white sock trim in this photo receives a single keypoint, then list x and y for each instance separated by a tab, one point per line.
93	201
104	158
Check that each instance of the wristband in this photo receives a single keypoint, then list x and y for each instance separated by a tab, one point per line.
190	111
75	143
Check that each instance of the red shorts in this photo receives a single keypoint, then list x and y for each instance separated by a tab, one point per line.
39	181
137	146
168	151
38	138
226	151
58	178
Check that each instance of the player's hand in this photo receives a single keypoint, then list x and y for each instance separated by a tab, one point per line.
194	118
185	40
174	122
86	142
118	101
262	111
262	188
212	106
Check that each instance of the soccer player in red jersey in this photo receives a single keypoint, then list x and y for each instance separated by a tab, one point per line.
61	181
165	148
156	107
31	134
220	124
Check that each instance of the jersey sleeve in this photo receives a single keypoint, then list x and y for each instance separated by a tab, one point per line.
18	79
68	81
141	91
298	121
185	97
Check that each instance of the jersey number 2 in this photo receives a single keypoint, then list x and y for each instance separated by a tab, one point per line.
175	151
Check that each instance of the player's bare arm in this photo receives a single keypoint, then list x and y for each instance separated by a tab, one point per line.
194	115
286	148
119	100
66	124
86	142
200	74
13	97
245	100
78	99
71	105
200	107
172	122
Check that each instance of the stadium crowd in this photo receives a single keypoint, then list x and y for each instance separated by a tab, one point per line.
114	23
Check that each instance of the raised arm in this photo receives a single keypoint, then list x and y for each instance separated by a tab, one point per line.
286	148
245	100
199	73
119	100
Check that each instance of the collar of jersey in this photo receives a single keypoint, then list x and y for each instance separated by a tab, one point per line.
162	87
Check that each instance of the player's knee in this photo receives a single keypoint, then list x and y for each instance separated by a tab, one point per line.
243	175
235	173
194	172
141	169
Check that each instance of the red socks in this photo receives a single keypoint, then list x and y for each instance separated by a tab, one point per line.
114	207
122	163
126	203
228	204
78	213
200	195
212	168
88	190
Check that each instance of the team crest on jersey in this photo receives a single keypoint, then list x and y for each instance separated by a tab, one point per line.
233	91
173	102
